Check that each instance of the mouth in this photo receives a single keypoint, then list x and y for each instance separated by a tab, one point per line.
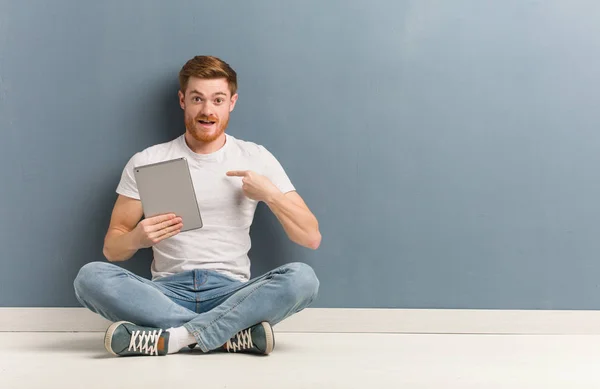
206	123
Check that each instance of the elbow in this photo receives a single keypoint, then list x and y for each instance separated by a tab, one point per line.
311	241
314	241
108	255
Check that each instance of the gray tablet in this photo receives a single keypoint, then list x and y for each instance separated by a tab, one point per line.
167	187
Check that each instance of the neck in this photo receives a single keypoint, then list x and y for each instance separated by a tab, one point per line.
200	147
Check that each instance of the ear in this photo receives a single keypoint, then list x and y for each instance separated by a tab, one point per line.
181	99
233	101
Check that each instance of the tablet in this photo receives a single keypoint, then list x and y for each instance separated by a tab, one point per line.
167	187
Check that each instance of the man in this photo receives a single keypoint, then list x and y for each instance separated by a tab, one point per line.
201	292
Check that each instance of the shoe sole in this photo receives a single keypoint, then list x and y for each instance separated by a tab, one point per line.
270	338
109	334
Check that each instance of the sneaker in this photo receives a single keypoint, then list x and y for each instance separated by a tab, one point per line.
124	338
258	339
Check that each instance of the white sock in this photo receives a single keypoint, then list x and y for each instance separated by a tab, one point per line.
179	338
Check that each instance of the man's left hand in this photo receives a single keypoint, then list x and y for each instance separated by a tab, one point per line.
255	186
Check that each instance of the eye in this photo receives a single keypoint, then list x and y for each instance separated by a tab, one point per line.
196	99
219	100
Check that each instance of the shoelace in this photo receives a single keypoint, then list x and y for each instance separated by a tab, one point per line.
241	341
147	341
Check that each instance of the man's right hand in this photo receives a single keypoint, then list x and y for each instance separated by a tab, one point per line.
152	230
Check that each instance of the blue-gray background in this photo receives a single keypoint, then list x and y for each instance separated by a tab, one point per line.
450	149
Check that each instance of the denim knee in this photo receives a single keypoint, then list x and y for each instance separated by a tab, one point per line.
303	284
90	277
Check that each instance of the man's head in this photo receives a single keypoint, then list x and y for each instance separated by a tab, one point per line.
208	92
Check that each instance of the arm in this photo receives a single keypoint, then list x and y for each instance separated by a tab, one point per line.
126	234
297	220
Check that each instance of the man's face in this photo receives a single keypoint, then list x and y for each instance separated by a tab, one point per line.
206	105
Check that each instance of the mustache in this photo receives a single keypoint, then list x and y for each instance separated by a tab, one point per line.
207	118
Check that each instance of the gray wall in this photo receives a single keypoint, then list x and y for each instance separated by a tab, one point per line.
449	148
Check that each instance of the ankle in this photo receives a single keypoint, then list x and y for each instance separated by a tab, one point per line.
179	338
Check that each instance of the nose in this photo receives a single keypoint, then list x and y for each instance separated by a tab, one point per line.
207	109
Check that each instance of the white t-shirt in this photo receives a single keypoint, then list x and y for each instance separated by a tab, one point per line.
222	244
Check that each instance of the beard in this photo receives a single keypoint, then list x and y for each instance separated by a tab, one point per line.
203	134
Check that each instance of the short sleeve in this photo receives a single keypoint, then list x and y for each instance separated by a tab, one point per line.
273	170
127	186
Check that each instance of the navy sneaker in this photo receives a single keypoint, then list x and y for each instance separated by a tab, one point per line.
258	339
124	339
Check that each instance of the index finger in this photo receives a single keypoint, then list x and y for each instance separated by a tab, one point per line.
237	173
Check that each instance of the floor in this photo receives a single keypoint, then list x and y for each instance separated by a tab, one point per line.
78	360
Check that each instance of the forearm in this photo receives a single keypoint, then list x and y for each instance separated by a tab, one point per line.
299	223
119	246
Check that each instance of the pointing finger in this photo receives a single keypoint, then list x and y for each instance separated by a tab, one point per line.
237	173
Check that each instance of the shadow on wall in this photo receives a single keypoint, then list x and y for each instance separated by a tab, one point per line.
162	117
271	247
170	114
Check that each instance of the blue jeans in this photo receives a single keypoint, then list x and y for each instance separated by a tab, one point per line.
210	305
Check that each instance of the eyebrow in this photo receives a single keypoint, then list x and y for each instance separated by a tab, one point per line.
216	94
